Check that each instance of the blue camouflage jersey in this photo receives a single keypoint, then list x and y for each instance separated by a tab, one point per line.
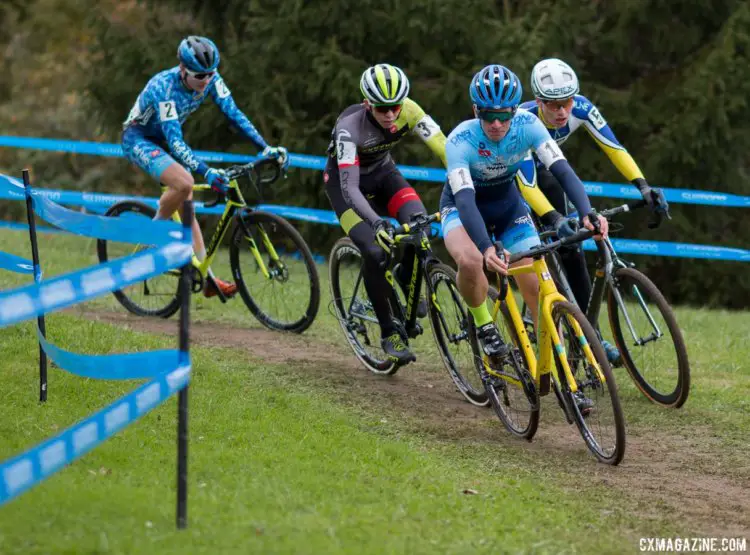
163	106
481	176
585	114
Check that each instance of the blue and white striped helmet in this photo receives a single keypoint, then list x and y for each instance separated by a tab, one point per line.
198	54
495	87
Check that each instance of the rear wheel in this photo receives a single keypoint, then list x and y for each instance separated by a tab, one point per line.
157	296
353	308
595	406
287	299
653	350
449	319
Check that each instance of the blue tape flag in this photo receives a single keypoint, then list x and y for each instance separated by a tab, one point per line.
437	175
129	228
130	366
41	461
11	188
33	300
15	263
680	250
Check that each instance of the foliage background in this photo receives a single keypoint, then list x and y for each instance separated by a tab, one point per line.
671	78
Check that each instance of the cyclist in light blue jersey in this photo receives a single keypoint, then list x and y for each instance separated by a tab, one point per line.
480	196
152	133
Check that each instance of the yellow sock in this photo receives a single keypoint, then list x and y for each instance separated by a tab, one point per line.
481	315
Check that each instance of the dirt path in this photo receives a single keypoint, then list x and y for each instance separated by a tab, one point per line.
685	477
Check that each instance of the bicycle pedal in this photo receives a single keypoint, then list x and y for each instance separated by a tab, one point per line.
415	331
544	380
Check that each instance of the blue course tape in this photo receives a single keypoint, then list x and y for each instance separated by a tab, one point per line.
130	366
41	461
15	263
305	161
56	293
135	229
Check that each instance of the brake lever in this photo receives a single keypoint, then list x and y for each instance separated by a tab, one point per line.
502	280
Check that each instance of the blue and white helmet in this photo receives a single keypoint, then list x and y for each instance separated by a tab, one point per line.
495	87
553	79
198	54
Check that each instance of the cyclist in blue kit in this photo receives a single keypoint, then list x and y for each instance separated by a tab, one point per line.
480	196
152	137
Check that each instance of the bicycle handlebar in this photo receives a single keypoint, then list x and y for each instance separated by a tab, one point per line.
253	171
418	224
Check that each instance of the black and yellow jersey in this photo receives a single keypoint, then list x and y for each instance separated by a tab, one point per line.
357	138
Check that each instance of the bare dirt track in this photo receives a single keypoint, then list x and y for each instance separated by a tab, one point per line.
688	477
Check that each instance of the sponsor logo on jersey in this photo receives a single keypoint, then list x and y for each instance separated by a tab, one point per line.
460	137
523	220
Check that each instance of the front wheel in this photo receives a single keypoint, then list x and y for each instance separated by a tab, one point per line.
593	402
650	341
449	320
275	272
508	382
156	296
353	309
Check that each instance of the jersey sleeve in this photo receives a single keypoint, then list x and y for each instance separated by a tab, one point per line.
426	128
457	151
599	129
526	181
165	111
345	141
548	151
223	99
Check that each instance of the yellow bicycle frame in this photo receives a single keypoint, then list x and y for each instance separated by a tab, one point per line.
548	337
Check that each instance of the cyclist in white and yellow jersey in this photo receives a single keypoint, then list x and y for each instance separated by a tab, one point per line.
562	110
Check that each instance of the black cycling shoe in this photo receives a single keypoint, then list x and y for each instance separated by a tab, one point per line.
585	405
490	341
397	351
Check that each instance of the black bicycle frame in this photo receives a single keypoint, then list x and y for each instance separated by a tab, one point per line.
422	258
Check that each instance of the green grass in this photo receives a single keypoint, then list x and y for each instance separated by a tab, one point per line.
283	464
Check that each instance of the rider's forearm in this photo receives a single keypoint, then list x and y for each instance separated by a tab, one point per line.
349	179
472	219
572	186
241	121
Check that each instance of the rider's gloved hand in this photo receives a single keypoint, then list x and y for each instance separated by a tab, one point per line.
277	153
218	180
653	196
562	226
384	235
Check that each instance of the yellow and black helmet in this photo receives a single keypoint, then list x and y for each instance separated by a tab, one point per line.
384	84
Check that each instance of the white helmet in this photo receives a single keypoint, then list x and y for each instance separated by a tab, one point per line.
553	79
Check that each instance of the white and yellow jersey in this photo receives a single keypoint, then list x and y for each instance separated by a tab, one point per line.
585	114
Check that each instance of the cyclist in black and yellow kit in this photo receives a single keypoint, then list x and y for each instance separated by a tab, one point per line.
364	185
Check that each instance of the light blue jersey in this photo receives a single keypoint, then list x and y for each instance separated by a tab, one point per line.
158	114
489	167
482	172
